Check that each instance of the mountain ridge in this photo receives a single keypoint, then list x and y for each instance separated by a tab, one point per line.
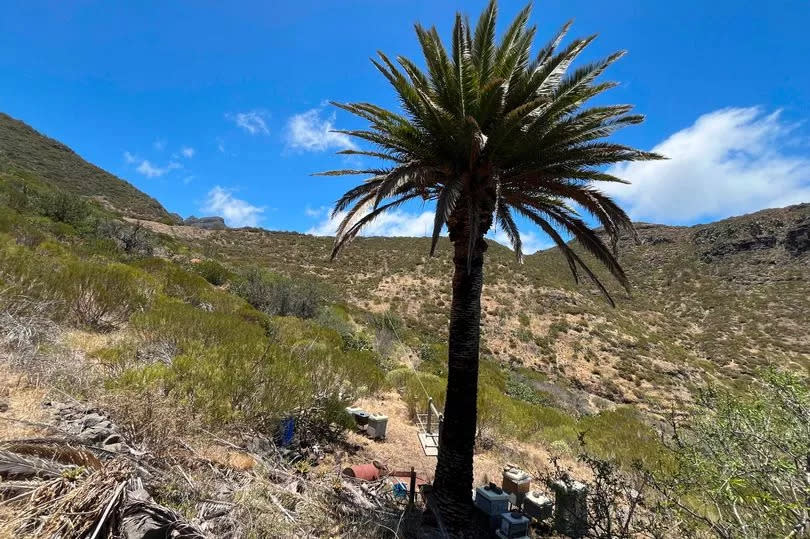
25	152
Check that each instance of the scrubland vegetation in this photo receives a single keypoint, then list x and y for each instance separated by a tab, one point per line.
172	335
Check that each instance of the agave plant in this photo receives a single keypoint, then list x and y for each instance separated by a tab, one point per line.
489	132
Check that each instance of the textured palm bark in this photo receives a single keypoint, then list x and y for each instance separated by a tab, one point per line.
452	487
454	470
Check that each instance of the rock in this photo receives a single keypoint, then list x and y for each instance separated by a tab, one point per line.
95	434
113	439
3	406
797	239
206	223
91	420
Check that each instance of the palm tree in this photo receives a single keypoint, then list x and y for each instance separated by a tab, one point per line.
489	133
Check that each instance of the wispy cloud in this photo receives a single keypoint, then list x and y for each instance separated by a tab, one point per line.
220	145
393	223
311	132
316	212
159	144
403	223
235	211
252	121
187	152
129	158
729	162
153	171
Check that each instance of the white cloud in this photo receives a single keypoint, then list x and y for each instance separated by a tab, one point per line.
187	152
159	144
531	242
236	212
392	223
403	223
251	121
153	171
309	132
220	145
129	158
316	212
729	162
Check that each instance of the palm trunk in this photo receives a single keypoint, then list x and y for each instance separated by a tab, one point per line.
452	487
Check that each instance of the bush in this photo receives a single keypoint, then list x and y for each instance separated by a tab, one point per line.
213	272
741	461
64	207
102	295
279	296
229	369
130	238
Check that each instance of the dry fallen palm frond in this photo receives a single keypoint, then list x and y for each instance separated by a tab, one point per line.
15	466
72	507
94	500
59	450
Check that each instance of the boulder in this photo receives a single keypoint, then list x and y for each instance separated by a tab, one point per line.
797	239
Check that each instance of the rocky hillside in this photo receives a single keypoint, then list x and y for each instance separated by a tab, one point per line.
26	155
710	302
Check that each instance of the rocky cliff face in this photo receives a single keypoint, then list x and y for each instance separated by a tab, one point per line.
776	232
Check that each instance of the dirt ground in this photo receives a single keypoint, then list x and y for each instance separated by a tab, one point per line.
24	411
401	448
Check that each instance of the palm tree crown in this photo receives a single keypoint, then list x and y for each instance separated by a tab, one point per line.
488	132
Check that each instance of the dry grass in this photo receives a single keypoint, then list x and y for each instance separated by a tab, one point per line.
24	406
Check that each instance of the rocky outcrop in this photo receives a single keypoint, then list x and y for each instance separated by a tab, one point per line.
797	239
88	424
206	223
774	232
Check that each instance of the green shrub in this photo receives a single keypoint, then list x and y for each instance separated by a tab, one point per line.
232	369
173	321
131	238
213	272
102	295
64	207
434	358
279	296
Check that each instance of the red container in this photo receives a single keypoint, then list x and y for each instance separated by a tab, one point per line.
367	472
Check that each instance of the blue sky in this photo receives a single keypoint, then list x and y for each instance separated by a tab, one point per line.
216	107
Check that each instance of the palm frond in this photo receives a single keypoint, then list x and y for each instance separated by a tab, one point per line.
489	133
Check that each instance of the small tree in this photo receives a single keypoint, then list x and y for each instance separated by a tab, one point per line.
279	296
65	207
743	461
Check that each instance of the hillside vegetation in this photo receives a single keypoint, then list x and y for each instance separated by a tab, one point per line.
199	343
29	157
711	302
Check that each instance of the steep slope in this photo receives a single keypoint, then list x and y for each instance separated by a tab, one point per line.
28	155
713	302
709	302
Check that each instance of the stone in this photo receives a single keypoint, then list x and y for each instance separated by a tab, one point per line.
95	434
3	406
206	223
113	439
91	420
797	239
